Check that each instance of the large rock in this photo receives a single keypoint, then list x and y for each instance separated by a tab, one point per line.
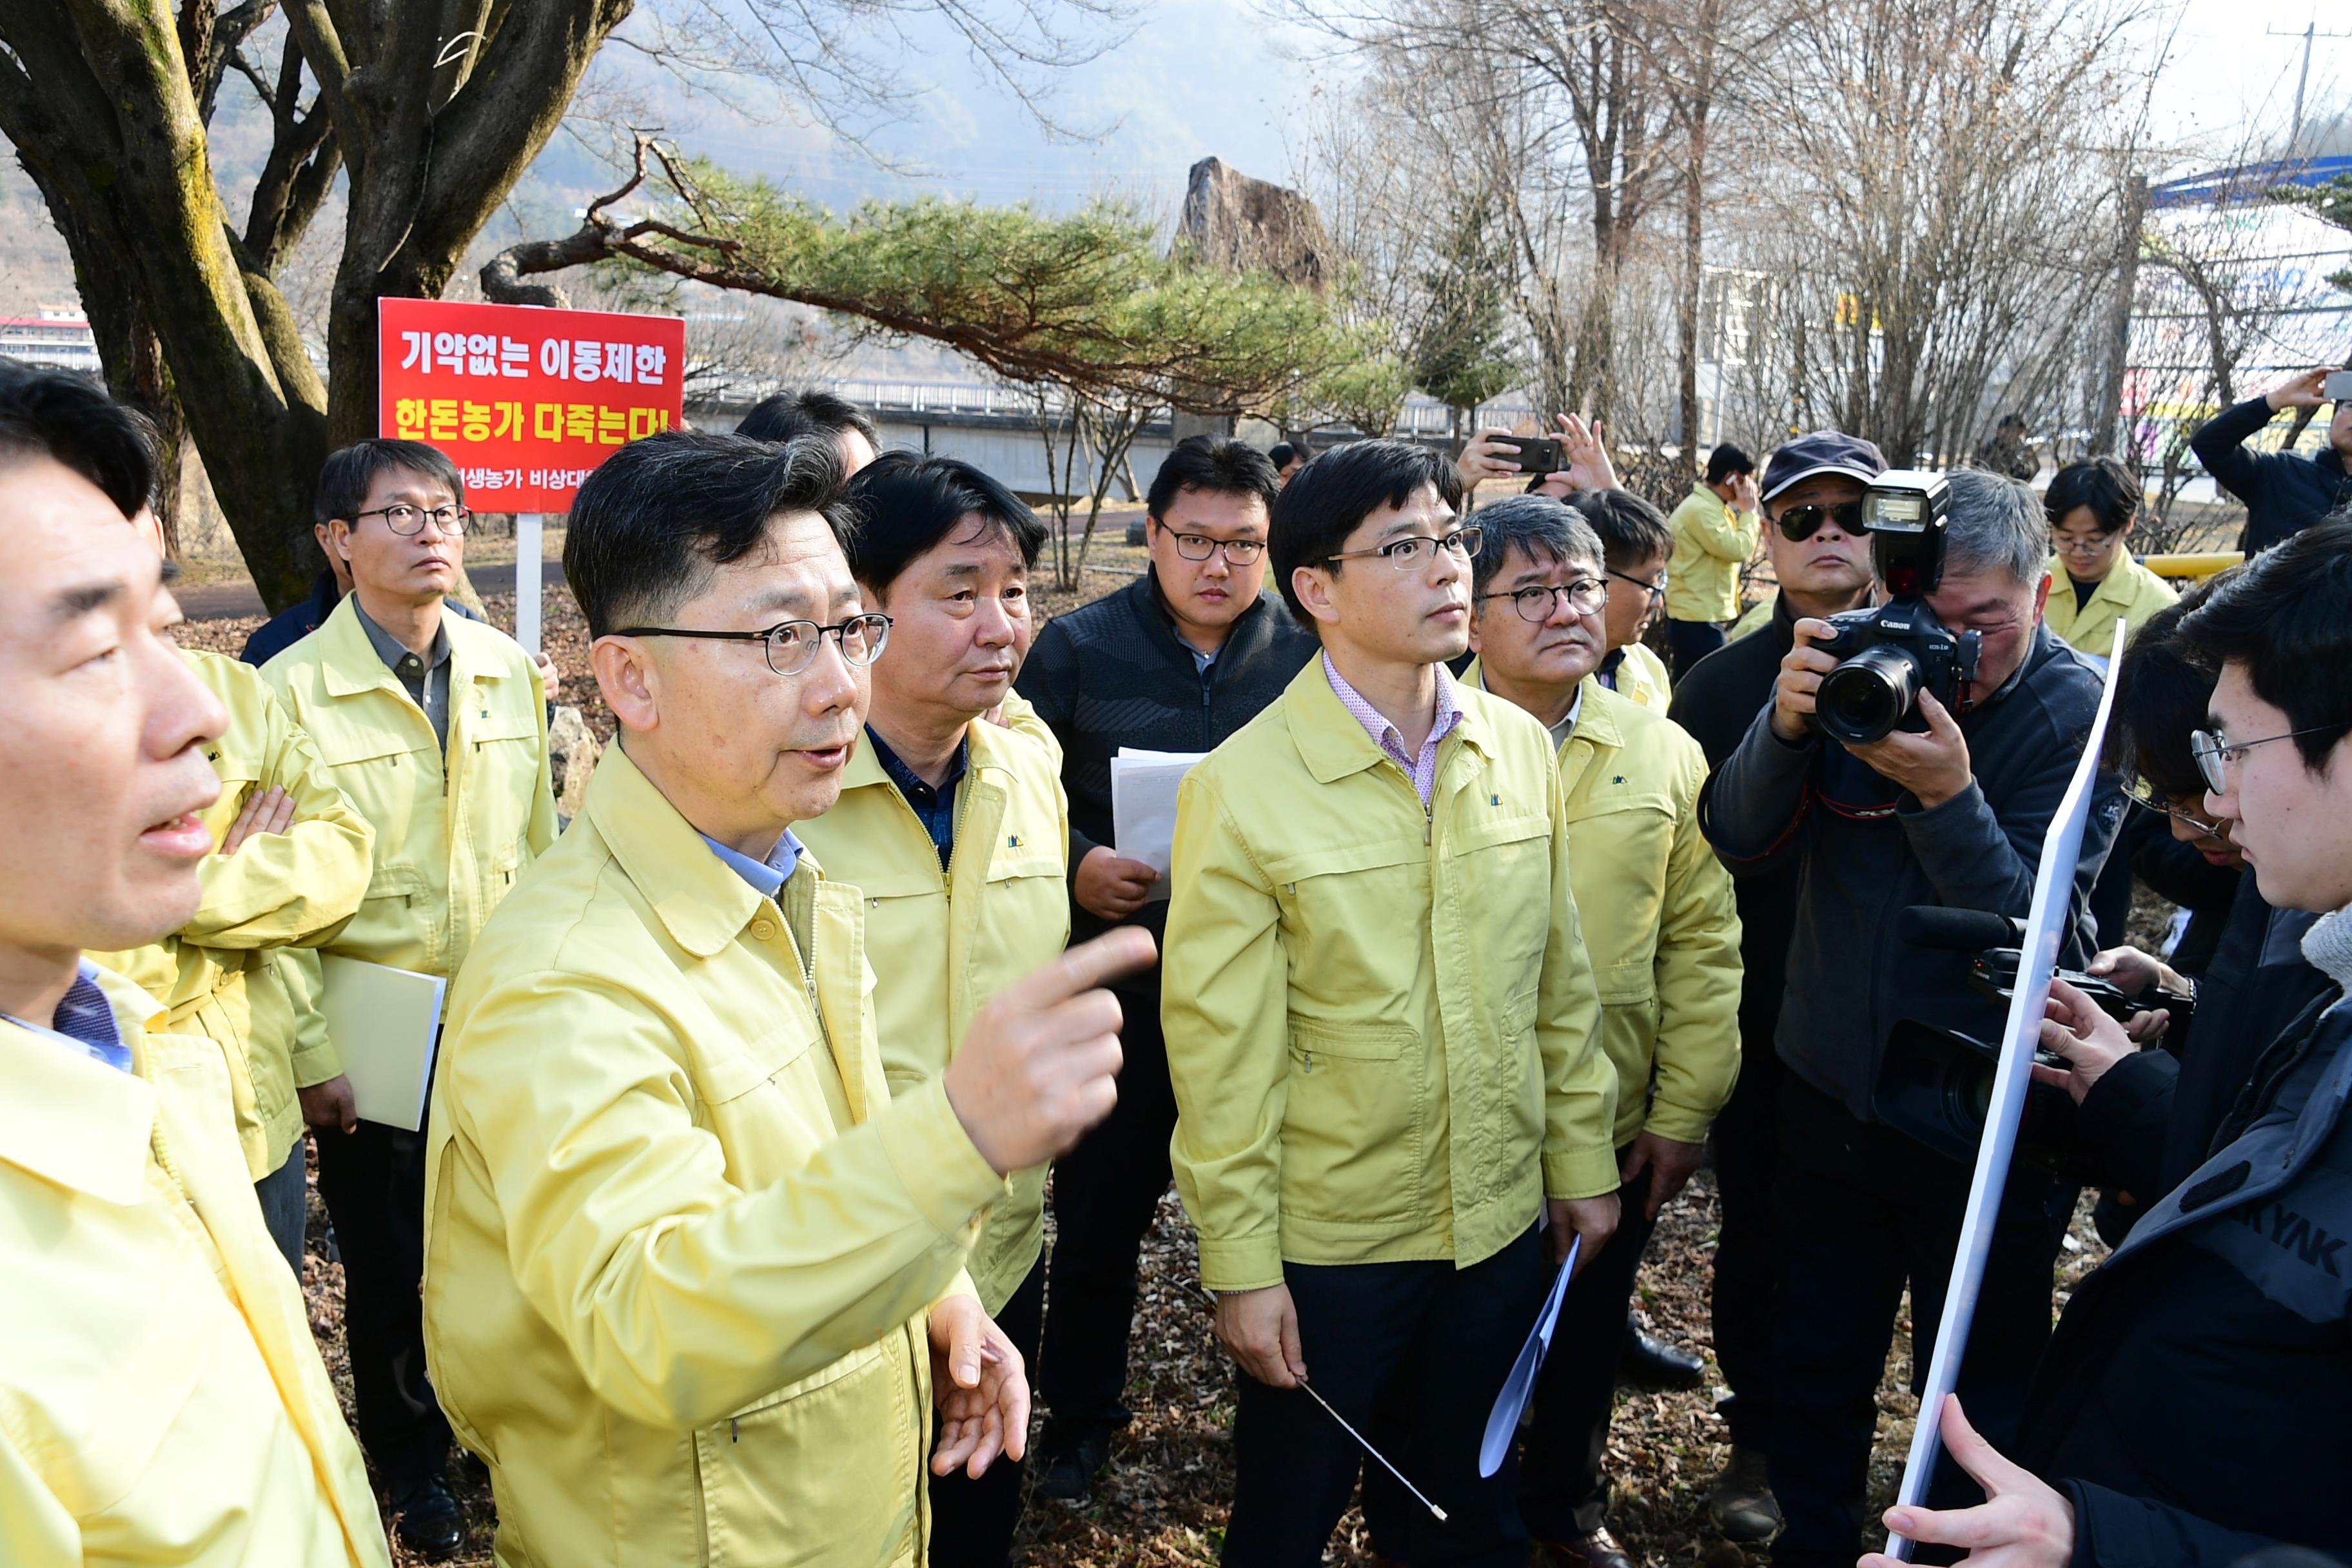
571	753
1239	225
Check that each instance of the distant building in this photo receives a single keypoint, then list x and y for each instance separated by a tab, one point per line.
60	337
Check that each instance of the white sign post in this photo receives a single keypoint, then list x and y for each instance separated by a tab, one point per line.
2053	888
527	575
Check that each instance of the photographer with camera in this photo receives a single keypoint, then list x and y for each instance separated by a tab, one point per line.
1962	721
2223	1315
2284	491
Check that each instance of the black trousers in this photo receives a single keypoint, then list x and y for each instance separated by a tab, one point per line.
1106	1191
1863	1210
1561	1491
373	1180
1413	1355
1690	641
972	1520
1747	1139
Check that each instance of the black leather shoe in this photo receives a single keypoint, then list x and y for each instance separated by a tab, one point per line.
1740	1505
1649	1361
428	1520
1070	1468
1598	1549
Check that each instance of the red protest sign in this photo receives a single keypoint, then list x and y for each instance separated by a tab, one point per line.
525	401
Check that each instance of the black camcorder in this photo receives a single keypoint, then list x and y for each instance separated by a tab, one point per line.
1890	653
1935	1085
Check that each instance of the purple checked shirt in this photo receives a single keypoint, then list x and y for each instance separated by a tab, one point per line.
1423	769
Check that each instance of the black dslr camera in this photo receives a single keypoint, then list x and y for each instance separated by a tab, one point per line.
1935	1085
1892	653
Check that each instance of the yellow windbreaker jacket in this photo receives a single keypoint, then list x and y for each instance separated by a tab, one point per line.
942	943
1660	920
452	829
161	1398
2130	592
679	1239
220	976
1642	680
1712	542
1382	1025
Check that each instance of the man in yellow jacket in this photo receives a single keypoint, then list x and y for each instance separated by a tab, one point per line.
954	829
1662	928
1637	543
1715	530
694	1276
2094	504
161	1398
1382	1033
291	868
435	727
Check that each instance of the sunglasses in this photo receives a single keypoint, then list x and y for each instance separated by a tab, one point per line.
1800	523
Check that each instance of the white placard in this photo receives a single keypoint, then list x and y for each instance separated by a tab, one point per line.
528	570
1143	807
2053	889
386	1023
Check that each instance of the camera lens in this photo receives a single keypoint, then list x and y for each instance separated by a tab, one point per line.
1864	698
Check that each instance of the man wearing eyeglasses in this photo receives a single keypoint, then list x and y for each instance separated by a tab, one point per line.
954	830
2195	1406
1658	922
1952	813
697	1273
1175	661
434	727
1812	499
1383	1034
1637	543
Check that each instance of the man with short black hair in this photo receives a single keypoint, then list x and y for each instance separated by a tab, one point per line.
2284	492
697	1273
2092	505
1638	542
955	829
1655	906
434	727
1382	1034
1714	532
161	1399
2195	1406
787	415
1287	458
1176	661
1952	814
1812	499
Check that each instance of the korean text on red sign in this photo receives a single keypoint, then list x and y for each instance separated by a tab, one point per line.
525	401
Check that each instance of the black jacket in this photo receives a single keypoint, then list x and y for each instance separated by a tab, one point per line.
2284	492
2196	1401
2152	1116
1717	701
1864	851
1114	673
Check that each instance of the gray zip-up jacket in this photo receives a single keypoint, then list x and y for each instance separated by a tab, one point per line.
1865	850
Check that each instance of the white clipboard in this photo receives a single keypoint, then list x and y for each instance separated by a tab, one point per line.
386	1026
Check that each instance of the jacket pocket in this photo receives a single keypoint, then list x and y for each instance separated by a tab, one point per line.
1353	1130
827	1470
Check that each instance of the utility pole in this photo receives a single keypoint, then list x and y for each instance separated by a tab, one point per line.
2310	32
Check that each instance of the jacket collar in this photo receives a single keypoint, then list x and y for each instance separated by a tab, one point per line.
349	663
984	745
1151	608
700	900
1596	719
78	1122
1333	745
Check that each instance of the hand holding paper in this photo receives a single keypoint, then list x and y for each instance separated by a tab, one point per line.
1143	806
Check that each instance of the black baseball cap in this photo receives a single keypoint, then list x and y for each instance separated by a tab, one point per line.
1822	452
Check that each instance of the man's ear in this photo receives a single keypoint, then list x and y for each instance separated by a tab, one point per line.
338	540
1313	587
2042	597
625	675
1477	618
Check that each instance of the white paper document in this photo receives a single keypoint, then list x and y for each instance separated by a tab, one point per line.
1143	806
2053	889
385	1024
1511	1405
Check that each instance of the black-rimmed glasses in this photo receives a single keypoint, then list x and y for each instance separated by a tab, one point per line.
791	645
1655	587
408	521
1534	602
1415	549
1200	547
